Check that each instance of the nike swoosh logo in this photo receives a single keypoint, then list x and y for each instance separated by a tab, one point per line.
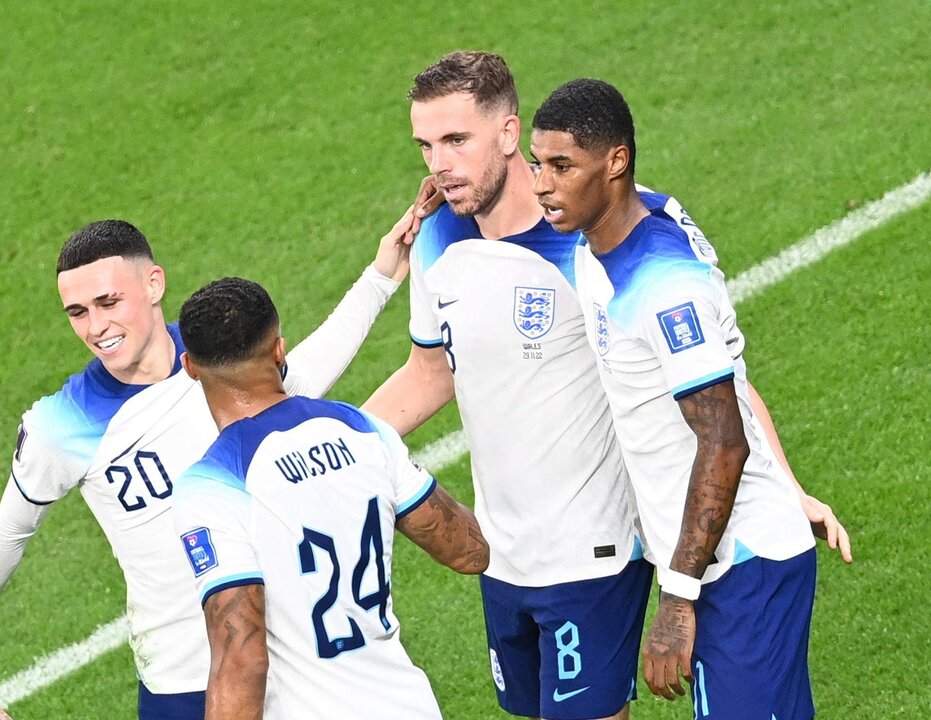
440	304
559	697
126	451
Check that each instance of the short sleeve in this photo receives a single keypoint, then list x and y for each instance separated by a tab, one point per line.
211	516
679	318
424	328
412	483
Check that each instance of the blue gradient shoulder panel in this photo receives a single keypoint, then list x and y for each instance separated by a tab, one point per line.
440	230
444	228
238	443
76	418
657	252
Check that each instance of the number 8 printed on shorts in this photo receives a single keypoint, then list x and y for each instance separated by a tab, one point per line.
568	660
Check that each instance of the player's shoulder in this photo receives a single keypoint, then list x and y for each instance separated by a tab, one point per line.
239	442
84	404
655	263
440	230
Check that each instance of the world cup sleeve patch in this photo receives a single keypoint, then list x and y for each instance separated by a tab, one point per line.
200	550
681	327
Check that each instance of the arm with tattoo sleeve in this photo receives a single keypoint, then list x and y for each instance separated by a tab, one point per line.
714	417
448	531
238	653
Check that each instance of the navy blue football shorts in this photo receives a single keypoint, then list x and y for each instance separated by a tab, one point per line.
567	651
176	706
751	643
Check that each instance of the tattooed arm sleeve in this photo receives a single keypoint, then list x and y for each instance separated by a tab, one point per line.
238	653
448	531
714	417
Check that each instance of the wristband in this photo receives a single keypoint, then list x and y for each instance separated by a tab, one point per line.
680	585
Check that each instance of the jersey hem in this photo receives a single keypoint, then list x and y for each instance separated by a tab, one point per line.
704	382
426	343
412	505
25	496
233	582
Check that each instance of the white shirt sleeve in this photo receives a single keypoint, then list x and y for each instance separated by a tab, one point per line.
50	459
317	362
412	484
19	520
424	328
211	517
680	321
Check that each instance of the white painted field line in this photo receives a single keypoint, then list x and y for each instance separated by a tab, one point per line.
50	668
448	449
821	242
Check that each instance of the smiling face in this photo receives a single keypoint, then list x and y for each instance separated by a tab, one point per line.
466	148
114	307
572	184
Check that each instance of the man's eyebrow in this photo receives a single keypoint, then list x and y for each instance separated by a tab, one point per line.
446	137
98	299
553	159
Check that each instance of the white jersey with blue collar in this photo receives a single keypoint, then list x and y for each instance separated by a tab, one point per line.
661	325
550	488
303	498
124	446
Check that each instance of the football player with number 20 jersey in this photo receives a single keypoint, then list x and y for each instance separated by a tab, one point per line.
125	428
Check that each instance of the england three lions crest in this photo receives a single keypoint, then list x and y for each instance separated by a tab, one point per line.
533	310
601	329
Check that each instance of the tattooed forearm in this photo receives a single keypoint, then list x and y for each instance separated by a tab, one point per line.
239	657
448	531
714	417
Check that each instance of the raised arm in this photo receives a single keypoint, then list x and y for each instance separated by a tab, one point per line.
238	653
824	522
722	449
448	531
415	392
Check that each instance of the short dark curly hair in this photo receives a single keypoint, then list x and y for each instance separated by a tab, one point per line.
102	239
225	321
483	75
593	112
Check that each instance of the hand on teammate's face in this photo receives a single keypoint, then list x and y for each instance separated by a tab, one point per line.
428	200
667	652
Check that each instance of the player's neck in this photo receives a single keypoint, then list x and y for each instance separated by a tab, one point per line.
516	209
242	394
156	363
617	222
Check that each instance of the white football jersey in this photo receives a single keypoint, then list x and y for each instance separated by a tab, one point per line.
124	446
550	489
303	498
661	326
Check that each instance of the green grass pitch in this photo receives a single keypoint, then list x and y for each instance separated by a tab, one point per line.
271	139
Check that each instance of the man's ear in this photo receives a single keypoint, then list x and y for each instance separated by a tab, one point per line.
155	283
281	349
510	135
618	161
189	367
